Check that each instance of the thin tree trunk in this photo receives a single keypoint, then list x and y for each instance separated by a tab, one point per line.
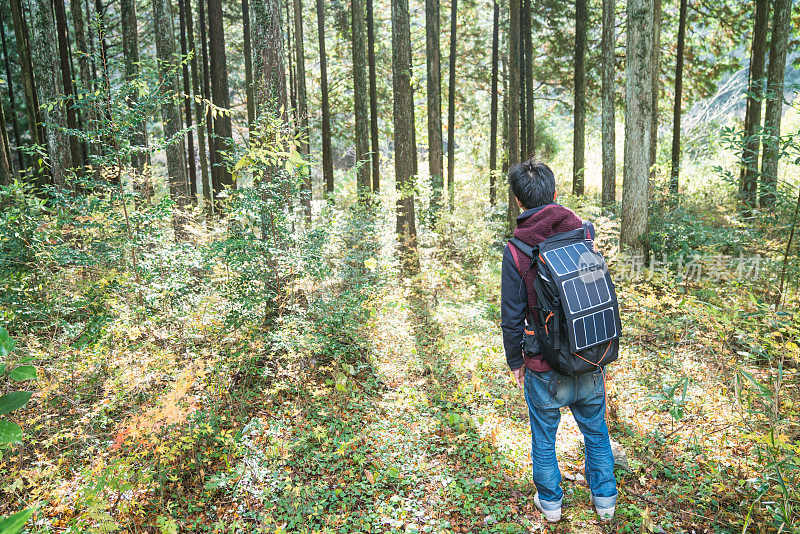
451	106
327	158
7	173
205	184
523	85
781	24
579	131
434	79
513	102
49	86
220	176
187	102
361	98
170	113
290	63
86	118
676	111
105	143
12	101
302	109
130	52
66	80
405	150
656	81
26	68
609	134
748	175
208	189
638	99
248	64
530	123
268	68
493	118
373	101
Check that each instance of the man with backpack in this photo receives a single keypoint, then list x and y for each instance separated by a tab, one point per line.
560	324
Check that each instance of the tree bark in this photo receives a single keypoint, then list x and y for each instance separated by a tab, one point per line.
434	79
609	134
781	24
656	81
523	84
530	123
290	63
513	102
49	87
198	106
269	69
361	98
220	175
84	68
373	101
130	52
302	108
183	6
248	64
208	188
327	158
405	150
7	174
638	100
171	113
493	118
748	176
676	111
66	80
12	102
451	106
26	67
579	131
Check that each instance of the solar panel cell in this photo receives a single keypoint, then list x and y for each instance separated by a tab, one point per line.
594	328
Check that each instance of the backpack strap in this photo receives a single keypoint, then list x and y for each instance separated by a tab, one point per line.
524	247
588	229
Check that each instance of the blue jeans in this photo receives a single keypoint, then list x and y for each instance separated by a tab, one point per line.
545	393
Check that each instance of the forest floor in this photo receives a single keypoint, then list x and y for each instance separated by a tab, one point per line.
155	430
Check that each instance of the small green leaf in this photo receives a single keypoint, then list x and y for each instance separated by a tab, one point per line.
23	372
2	368
11	401
14	523
7	343
10	433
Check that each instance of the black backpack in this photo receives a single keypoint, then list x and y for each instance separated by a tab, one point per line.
576	324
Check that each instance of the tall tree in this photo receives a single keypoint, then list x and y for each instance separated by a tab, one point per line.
451	106
187	101
781	23
130	53
493	118
220	176
404	147
290	63
361	97
638	99
49	87
248	64
83	59
609	135
268	68
527	45
513	101
7	173
523	83
26	68
748	176
654	94
434	79
170	111
11	100
373	100
327	158
198	106
579	130
302	110
66	80
208	186
676	111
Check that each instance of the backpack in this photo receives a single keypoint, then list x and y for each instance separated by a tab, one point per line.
576	324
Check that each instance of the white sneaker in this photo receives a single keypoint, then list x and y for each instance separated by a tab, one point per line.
552	516
606	514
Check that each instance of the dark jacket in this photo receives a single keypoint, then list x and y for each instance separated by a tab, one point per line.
516	290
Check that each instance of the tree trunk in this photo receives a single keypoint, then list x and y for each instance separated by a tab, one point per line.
638	100
493	118
748	175
198	106
248	64
530	123
130	52
84	68
579	131
105	143
434	79
513	102
268	68
26	66
171	113
183	6
404	148
327	158
523	85
676	112
220	176
12	102
290	63
373	102
7	174
49	87
781	24
451	106
66	80
302	109
609	134
208	189
361	98
656	81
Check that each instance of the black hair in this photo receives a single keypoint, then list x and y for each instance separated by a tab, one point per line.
533	183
